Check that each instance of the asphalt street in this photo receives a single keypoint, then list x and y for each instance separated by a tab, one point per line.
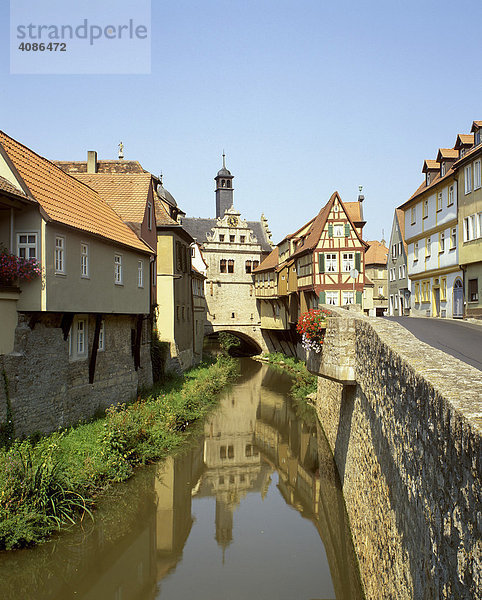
457	338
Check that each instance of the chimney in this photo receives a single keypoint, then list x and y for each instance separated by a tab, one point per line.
91	161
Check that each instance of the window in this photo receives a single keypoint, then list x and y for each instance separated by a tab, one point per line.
255	263
230	266
476	174
469	228
439	201
231	238
348	262
453	238
380	291
450	199
396	301
478	137
233	316
84	260
443	289
417	293
348	298
149	216
415	252
154	272
413	213
338	230
222	265
101	346
331	263
332	298
242	239
81	334
401	272
59	254
27	245
479	224
178	313
117	269
441	242
442	169
140	273
425	209
428	247
428	178
221	237
248	266
473	290
468	179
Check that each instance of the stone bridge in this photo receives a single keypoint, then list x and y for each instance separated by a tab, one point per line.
249	333
404	422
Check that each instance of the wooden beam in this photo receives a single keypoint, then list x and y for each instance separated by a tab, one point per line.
66	324
95	347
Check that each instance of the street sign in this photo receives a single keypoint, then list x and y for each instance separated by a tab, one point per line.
354	273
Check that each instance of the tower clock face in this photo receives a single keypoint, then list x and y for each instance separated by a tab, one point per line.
233	221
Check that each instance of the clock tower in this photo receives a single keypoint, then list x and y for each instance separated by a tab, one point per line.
224	190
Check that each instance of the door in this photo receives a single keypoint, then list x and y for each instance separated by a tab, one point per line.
458	309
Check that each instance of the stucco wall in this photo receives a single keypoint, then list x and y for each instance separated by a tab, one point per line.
406	440
48	390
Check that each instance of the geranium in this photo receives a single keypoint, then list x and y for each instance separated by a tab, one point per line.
311	325
13	267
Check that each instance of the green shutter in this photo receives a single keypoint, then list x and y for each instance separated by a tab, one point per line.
321	262
347	229
322	298
359	297
330	229
358	261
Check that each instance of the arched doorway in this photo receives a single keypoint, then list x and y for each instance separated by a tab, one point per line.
458	310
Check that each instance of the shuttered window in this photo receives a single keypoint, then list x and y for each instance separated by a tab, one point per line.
322	298
321	262
358	297
330	230
347	230
358	261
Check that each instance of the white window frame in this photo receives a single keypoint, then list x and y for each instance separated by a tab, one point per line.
439	201
331	263
425	209
451	195
470	228
338	230
59	255
27	245
348	297
401	273
380	290
84	260
118	278
428	247
415	251
468	179
101	345
332	298
453	238
81	337
348	263
149	216
140	273
477	182
441	242
413	215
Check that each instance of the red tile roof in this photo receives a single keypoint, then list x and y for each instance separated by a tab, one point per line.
475	126
270	262
377	253
66	200
447	153
6	186
127	193
401	225
430	165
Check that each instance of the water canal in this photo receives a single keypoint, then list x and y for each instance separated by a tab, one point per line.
252	509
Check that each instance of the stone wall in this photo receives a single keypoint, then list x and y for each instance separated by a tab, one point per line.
406	441
48	390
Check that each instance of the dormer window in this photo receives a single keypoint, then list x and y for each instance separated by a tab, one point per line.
428	178
442	169
478	137
462	152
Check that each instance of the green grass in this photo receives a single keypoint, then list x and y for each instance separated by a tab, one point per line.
51	483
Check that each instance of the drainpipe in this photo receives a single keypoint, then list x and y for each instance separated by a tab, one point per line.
12	231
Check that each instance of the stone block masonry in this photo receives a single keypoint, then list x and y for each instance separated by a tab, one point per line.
407	443
48	390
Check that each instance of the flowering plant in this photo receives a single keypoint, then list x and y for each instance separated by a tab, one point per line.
13	267
312	326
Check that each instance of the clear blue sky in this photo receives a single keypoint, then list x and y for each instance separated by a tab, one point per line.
306	97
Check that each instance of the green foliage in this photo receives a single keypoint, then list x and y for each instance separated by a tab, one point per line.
304	382
228	341
158	357
47	485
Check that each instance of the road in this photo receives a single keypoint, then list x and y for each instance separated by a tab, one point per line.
457	338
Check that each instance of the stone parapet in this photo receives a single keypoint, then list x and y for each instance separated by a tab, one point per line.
407	443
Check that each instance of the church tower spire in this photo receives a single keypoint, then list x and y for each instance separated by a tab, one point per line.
224	189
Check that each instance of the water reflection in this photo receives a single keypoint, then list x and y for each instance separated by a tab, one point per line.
215	522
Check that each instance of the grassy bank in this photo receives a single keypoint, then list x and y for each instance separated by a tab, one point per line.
304	383
53	482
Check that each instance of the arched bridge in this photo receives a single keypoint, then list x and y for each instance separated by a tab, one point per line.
250	334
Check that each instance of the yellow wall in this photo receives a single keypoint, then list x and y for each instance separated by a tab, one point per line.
273	315
8	320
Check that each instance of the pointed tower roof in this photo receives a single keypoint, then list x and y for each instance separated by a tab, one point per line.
223	172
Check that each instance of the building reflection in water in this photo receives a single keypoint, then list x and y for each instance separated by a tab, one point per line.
141	531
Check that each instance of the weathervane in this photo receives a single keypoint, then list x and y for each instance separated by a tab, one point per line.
121	150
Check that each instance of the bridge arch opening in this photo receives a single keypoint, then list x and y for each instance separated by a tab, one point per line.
235	342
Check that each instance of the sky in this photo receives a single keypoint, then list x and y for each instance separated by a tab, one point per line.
305	97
